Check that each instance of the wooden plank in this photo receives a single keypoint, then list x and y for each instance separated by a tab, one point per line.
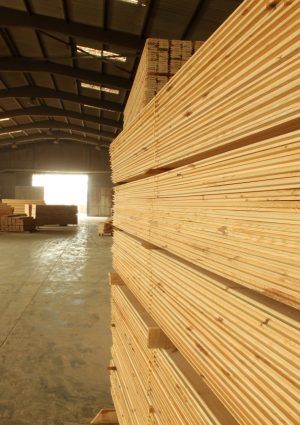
114	279
105	416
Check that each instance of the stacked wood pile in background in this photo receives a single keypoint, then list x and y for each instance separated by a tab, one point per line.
105	227
17	223
209	251
5	209
10	222
22	206
161	59
55	214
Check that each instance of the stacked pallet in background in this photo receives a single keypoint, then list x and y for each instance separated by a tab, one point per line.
19	205
17	223
5	209
207	233
55	214
161	59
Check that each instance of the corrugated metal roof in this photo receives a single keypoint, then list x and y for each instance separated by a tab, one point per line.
36	46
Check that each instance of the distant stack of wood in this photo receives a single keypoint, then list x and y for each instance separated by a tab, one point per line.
10	222
105	227
5	209
23	206
161	59
207	234
17	223
61	215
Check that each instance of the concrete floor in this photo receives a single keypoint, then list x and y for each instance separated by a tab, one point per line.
54	326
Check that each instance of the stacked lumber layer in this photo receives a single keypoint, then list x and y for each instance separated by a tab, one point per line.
151	381
236	214
55	214
206	224
161	59
245	346
240	87
21	206
16	223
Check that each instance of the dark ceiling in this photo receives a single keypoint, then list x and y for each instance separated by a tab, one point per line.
41	69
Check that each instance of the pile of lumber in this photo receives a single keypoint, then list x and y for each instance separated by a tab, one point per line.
105	227
240	87
61	215
23	206
160	384
160	61
17	223
206	245
5	209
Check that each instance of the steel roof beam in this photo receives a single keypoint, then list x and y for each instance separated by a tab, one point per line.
16	18
58	135
44	111
42	92
56	125
16	64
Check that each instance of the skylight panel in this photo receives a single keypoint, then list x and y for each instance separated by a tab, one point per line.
99	88
102	53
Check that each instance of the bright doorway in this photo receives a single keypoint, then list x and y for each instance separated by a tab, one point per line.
64	189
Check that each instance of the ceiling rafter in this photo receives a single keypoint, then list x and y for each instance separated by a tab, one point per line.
55	125
51	137
16	18
13	64
42	92
44	111
57	135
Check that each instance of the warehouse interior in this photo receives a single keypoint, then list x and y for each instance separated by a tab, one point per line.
149	212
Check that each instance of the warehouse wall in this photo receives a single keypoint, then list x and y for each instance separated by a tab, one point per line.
18	165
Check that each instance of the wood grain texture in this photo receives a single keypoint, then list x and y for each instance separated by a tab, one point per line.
240	87
236	214
160	384
160	60
244	345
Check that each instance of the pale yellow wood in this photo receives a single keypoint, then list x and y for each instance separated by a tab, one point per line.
114	279
105	416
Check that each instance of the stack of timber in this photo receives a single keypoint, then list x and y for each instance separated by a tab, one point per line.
61	215
5	209
240	87
236	214
161	386
17	223
23	206
207	233
160	61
